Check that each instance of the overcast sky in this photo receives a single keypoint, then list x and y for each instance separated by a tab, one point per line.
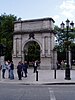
59	10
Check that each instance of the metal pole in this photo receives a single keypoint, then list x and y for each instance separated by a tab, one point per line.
54	73
36	75
67	71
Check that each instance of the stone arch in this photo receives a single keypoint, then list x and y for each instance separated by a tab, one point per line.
40	31
31	41
26	56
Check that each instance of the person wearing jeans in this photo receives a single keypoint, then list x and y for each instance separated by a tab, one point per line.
4	67
11	70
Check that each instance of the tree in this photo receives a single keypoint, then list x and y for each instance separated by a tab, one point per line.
61	42
34	51
6	33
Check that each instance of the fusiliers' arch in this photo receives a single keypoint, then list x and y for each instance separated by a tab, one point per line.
39	31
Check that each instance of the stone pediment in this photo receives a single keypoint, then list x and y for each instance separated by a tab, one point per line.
45	24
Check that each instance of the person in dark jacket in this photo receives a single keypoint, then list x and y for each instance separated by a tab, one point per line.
11	70
19	71
22	68
25	66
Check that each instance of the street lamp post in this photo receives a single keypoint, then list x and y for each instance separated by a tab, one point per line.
68	29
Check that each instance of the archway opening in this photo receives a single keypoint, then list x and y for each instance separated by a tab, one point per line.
31	52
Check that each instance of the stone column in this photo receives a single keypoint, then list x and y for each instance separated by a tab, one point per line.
46	45
43	46
49	46
14	47
19	46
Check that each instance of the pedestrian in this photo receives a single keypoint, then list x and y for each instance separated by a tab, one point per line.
58	65
4	67
25	66
19	71
22	69
8	68
35	66
11	70
62	64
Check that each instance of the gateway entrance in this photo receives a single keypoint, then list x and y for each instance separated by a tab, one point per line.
37	31
31	52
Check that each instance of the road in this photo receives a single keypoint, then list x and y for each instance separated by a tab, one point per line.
37	92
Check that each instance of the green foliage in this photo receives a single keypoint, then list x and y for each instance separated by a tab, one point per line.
62	42
6	32
62	37
34	52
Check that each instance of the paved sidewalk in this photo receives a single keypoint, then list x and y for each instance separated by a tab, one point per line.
44	77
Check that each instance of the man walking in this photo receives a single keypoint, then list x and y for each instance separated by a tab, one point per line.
4	67
11	70
25	66
19	70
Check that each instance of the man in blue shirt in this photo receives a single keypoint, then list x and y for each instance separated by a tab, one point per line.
4	67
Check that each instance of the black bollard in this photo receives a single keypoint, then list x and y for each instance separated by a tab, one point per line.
36	75
54	73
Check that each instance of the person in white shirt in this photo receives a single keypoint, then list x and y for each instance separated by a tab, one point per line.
8	67
35	66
